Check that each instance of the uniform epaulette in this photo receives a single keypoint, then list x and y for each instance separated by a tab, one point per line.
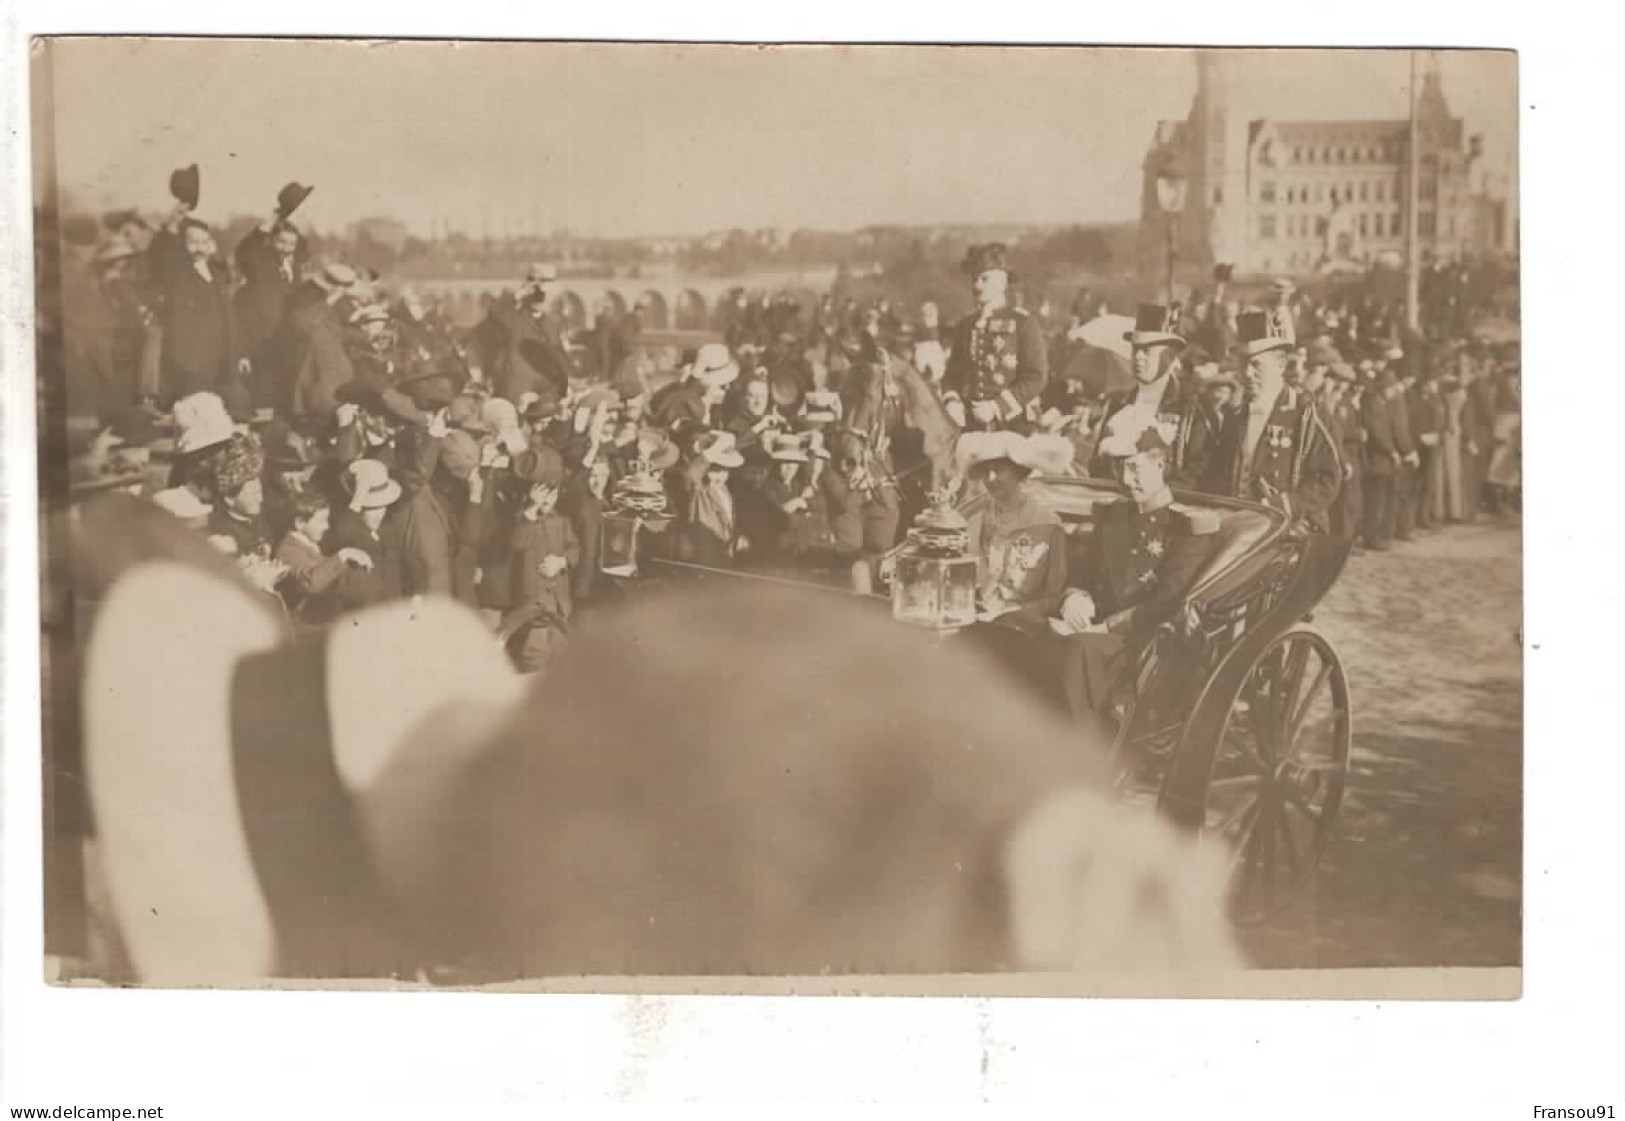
1200	522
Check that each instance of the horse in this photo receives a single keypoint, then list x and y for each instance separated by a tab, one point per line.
884	398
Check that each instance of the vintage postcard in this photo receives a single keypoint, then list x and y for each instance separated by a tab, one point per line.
723	519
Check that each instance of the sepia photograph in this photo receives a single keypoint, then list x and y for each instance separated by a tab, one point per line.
780	519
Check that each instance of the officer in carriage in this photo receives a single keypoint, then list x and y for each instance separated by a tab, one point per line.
1163	390
999	360
1145	552
1275	449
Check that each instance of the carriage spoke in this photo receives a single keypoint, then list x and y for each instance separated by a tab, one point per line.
1302	712
1261	717
1266	848
1235	819
1284	822
1237	782
1286	688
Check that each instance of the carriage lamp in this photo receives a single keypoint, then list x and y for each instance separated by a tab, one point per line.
934	585
638	503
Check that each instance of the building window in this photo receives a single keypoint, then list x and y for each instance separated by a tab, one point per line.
1430	189
1424	223
1382	190
1450	227
1397	225
1363	190
1320	227
1266	227
1320	193
1218	196
1297	155
1266	191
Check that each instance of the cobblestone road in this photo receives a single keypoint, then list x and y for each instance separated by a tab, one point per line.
1425	866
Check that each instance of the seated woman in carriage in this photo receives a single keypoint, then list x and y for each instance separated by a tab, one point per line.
1092	608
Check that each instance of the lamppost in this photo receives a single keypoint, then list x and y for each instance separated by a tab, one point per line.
1171	199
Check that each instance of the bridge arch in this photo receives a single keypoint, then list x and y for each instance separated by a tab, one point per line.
692	313
656	312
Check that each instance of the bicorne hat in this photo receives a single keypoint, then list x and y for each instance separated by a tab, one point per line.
985	258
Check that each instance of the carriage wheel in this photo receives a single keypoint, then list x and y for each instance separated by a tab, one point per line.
1281	771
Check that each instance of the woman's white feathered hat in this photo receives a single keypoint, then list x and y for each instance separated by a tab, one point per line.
1041	454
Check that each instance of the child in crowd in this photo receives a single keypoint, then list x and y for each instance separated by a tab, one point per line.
318	588
545	550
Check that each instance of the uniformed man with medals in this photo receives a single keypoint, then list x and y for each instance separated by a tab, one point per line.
999	360
1143	555
1276	448
1160	392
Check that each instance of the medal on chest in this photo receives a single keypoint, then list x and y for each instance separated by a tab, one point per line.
1278	436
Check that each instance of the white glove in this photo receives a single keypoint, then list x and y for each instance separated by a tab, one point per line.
985	411
956	411
353	556
437	424
552	566
1078	609
347	414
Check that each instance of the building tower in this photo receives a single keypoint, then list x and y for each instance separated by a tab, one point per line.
1218	197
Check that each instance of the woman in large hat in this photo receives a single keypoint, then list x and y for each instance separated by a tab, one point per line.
1019	537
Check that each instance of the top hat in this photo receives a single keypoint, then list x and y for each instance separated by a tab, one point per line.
289	198
260	859
1261	332
985	258
185	186
1156	325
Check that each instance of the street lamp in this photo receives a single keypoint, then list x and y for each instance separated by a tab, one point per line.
1171	198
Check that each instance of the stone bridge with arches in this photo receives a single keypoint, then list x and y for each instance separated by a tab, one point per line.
691	303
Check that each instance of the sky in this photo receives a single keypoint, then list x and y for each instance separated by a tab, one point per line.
644	140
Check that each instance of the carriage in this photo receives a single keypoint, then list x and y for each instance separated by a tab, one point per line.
1235	721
